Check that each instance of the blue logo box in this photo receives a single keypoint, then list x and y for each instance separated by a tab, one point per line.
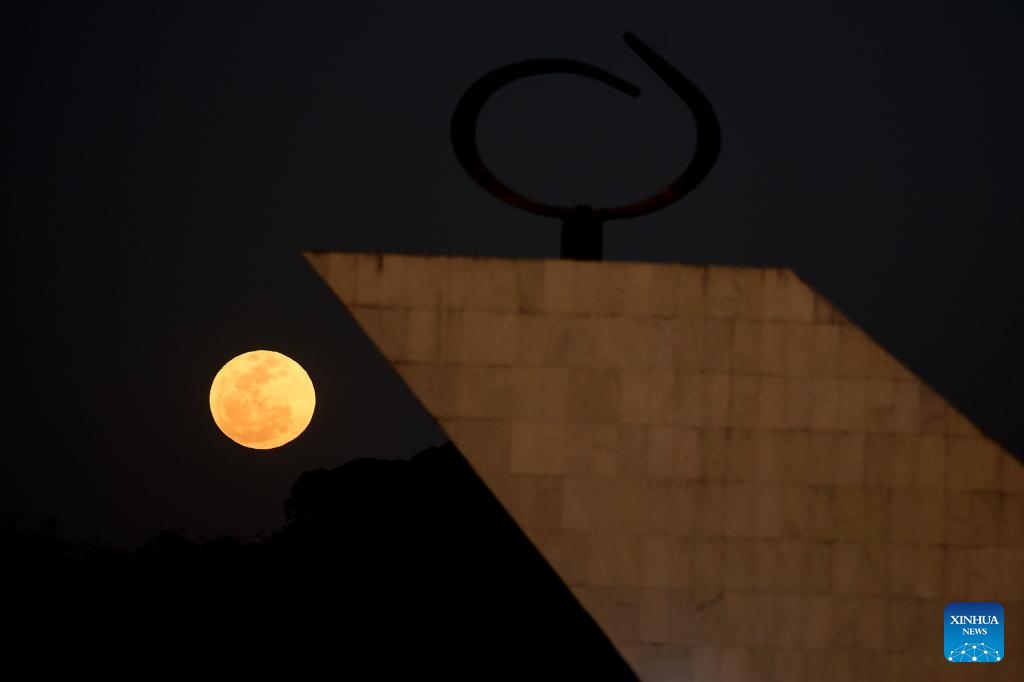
974	632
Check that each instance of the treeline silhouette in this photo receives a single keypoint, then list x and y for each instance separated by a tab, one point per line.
383	570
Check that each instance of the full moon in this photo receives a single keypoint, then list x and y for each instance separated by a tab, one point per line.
262	399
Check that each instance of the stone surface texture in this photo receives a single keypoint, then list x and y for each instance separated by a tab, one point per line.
735	481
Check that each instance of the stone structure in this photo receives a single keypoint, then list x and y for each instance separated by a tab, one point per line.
735	481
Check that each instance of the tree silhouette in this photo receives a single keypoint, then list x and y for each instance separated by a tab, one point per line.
383	570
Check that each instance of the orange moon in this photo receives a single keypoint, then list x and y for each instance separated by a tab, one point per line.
262	399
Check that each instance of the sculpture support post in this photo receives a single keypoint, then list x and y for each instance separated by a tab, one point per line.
582	235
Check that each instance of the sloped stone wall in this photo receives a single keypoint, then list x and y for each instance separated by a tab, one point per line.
735	481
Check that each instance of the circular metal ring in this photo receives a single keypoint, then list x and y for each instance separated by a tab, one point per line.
709	138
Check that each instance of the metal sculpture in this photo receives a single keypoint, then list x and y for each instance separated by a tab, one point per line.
582	225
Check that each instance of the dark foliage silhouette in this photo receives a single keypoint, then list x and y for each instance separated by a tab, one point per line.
383	570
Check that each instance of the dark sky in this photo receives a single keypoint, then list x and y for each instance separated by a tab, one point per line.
165	165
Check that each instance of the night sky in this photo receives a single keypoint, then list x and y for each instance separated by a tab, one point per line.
165	166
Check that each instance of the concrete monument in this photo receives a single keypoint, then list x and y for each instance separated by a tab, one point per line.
734	480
